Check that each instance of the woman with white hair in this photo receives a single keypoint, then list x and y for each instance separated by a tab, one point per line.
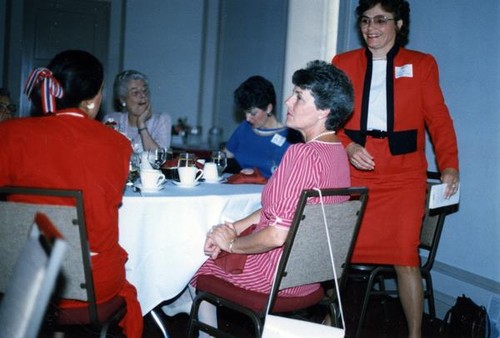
145	129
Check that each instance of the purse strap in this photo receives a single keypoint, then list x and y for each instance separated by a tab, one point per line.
331	255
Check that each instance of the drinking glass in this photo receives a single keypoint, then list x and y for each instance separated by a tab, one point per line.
186	160
134	166
158	156
219	158
170	154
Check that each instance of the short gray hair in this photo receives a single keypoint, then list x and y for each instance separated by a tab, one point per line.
121	82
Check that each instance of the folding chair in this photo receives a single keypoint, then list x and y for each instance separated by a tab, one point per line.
377	275
305	259
77	281
32	282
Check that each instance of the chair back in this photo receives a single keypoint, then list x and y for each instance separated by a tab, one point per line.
432	226
306	257
77	280
32	279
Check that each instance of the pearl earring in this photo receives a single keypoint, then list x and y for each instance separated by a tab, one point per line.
91	106
124	104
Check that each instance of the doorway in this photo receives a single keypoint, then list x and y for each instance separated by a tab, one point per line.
52	26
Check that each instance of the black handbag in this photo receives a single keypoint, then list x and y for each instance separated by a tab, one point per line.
466	319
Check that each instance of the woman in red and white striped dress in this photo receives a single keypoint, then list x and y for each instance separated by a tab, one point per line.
320	103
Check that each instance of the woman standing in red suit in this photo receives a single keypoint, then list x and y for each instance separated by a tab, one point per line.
66	148
397	96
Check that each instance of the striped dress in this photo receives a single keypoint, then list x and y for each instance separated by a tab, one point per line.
309	165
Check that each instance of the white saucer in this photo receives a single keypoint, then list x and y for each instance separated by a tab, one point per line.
139	185
220	180
184	185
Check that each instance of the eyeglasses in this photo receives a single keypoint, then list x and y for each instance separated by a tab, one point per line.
136	93
378	21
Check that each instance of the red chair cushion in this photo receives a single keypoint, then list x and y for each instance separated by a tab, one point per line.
80	315
255	301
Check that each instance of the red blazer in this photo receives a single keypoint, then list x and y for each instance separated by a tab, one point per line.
68	150
417	101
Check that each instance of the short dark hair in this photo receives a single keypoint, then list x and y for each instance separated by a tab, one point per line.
255	92
399	8
330	88
80	74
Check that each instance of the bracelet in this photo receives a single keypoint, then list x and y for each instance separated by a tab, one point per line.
141	129
231	244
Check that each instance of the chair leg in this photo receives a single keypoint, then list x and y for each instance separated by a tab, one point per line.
195	325
159	323
193	320
332	316
104	331
382	289
364	308
430	296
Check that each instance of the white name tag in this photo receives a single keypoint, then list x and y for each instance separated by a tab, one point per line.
404	71
278	140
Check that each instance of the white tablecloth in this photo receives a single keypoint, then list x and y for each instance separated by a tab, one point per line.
164	233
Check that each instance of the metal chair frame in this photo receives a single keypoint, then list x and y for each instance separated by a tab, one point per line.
295	266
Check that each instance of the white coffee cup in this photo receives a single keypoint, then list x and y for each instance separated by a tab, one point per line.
151	179
210	172
189	175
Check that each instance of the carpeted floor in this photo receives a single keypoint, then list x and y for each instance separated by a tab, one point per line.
384	322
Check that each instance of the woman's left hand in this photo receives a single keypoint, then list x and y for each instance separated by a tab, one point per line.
450	177
359	157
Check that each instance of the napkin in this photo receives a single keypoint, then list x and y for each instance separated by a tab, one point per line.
247	178
230	262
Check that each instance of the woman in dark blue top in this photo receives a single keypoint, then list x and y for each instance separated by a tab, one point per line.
261	140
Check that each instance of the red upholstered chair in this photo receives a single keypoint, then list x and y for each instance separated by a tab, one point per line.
305	259
76	282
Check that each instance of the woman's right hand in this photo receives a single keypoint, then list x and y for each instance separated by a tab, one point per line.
359	157
211	248
218	239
